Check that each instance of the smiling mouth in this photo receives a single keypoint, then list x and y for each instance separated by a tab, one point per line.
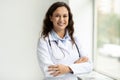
61	24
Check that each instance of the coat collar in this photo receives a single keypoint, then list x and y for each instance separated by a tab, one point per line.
54	37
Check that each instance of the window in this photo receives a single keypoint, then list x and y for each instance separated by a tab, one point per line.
107	38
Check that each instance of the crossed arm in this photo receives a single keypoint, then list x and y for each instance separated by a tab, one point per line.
59	69
56	70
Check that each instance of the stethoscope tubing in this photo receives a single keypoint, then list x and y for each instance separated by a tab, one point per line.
56	42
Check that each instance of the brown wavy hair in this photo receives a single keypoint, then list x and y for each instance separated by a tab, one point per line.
48	25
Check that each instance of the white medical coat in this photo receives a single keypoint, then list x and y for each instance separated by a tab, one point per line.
61	51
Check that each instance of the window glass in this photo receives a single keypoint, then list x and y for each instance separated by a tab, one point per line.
107	38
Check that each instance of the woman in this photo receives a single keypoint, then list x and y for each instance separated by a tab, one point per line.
59	53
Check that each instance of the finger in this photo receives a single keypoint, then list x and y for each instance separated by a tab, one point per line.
52	66
76	61
79	60
55	73
82	59
53	69
85	59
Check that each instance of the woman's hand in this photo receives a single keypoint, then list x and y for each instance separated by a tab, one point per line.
59	69
81	60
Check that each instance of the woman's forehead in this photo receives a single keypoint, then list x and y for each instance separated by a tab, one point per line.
61	10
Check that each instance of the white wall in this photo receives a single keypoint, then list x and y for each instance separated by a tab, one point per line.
19	28
20	24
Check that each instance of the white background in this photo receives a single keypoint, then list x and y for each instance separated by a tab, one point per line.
20	25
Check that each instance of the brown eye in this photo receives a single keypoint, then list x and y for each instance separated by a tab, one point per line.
65	16
57	15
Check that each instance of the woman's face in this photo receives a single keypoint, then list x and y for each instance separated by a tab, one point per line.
60	18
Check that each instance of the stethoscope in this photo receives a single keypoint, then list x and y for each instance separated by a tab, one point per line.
61	49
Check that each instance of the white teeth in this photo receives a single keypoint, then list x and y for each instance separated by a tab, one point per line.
60	24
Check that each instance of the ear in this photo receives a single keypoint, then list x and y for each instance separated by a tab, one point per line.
50	17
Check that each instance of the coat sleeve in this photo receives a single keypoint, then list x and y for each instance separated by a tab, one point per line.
43	56
81	68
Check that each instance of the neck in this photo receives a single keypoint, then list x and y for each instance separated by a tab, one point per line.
61	34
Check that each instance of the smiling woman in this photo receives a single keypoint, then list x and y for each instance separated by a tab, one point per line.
60	54
60	19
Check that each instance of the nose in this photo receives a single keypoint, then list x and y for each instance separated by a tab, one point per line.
61	18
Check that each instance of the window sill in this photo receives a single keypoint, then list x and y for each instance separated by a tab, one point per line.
94	76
